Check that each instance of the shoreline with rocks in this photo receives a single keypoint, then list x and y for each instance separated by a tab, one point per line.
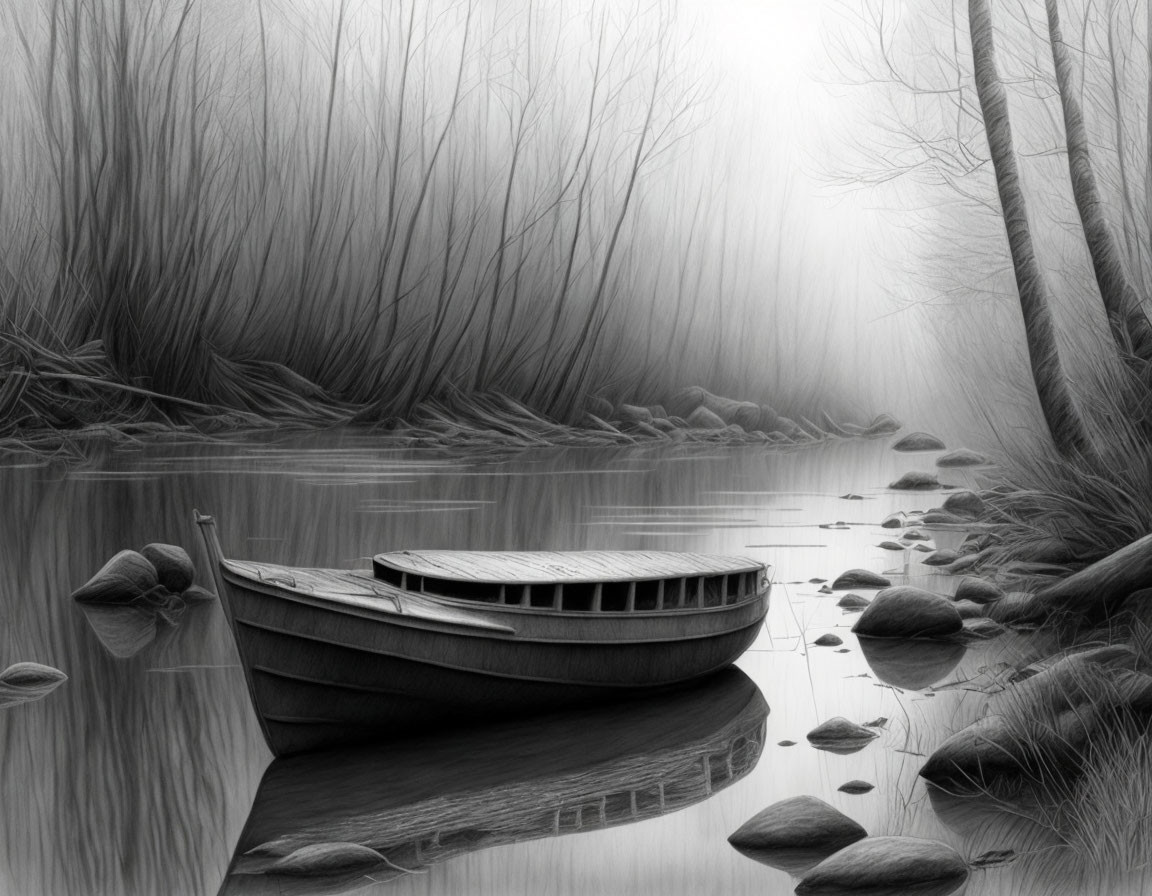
1046	733
465	422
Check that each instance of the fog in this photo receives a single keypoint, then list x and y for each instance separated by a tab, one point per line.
548	199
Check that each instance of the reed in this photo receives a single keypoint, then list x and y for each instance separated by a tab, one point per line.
256	272
320	222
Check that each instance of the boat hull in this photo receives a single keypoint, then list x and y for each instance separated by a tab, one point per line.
323	674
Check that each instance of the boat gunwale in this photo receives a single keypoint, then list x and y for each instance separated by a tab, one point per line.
746	565
468	606
486	628
388	610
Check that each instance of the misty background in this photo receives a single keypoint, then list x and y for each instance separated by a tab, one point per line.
787	203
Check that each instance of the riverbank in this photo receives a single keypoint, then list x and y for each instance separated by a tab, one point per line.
57	407
1058	744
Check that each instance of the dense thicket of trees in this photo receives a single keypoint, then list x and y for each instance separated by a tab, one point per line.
285	207
399	197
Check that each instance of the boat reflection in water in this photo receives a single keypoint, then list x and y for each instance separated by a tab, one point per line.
426	800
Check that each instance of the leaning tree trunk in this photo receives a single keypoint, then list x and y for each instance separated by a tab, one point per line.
1065	423
1130	326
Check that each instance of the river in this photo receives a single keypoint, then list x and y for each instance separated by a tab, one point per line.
138	775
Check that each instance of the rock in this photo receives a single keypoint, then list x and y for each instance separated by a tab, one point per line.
907	612
940	558
687	400
32	676
825	590
663	424
802	822
887	865
856	787
923	548
769	419
919	441
915	480
910	664
1017	608
969	609
678	422
328	858
978	591
828	640
964	562
859	578
883	425
915	535
786	743
173	566
127	576
598	407
891	546
790	428
981	627
840	734
25	682
965	503
657	411
1068	682
893	521
851	496
702	418
939	517
961	457
975	542
878	722
852	602
630	413
748	415
731	411
990	753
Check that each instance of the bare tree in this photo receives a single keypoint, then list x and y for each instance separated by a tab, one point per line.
1130	325
1065	422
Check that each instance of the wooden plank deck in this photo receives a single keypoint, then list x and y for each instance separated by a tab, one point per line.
543	567
359	589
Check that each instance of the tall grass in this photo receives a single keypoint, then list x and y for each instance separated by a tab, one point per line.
1090	764
277	216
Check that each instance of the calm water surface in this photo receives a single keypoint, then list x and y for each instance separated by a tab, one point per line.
139	775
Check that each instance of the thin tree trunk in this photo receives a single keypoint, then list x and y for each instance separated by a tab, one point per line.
1065	423
1131	329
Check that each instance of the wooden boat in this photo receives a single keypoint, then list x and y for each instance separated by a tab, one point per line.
433	639
427	800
